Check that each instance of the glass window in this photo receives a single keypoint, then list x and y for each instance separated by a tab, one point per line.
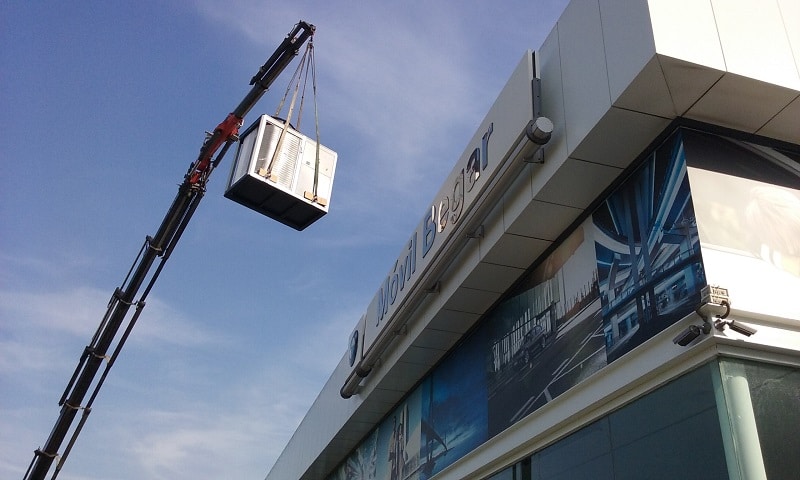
682	399
687	449
670	433
763	402
507	474
673	432
584	454
519	471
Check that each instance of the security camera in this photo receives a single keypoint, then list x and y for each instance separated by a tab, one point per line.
741	328
687	336
691	333
736	327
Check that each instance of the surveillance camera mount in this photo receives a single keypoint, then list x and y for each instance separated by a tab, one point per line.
715	309
719	320
721	323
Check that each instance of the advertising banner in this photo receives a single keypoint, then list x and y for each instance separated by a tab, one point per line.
392	450
632	268
648	251
748	215
548	337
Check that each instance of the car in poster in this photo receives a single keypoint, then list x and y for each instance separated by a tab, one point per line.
533	344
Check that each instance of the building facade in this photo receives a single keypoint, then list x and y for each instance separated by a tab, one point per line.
605	285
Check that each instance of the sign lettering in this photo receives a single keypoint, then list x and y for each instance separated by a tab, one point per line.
443	214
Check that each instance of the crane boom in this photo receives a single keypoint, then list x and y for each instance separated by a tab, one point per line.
190	192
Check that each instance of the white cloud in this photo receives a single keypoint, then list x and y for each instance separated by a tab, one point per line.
24	357
245	419
247	425
78	311
55	265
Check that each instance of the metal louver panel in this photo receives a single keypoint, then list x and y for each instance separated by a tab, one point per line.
286	162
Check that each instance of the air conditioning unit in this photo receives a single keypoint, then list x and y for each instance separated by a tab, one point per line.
275	172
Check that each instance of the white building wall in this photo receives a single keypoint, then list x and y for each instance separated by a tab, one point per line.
614	74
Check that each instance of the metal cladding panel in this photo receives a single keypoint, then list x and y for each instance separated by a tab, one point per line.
628	42
790	12
686	29
745	104
755	41
274	174
584	73
732	64
784	125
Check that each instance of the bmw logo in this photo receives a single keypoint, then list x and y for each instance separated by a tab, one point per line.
353	347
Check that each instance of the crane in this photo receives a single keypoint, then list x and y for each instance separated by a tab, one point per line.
154	252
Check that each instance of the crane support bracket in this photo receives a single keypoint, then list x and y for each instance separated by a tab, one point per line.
229	128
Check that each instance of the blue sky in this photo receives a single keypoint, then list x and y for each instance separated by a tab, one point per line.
103	105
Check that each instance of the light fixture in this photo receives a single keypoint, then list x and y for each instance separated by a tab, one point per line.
534	136
539	130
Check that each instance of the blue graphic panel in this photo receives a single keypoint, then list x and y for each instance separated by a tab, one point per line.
627	272
454	414
547	337
648	251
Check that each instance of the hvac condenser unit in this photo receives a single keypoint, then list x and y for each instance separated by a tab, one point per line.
278	173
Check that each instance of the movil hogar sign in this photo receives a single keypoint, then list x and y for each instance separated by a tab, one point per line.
487	154
445	213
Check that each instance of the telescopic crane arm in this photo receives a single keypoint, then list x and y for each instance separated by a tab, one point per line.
190	192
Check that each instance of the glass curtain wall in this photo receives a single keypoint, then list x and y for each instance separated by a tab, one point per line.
762	417
731	419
